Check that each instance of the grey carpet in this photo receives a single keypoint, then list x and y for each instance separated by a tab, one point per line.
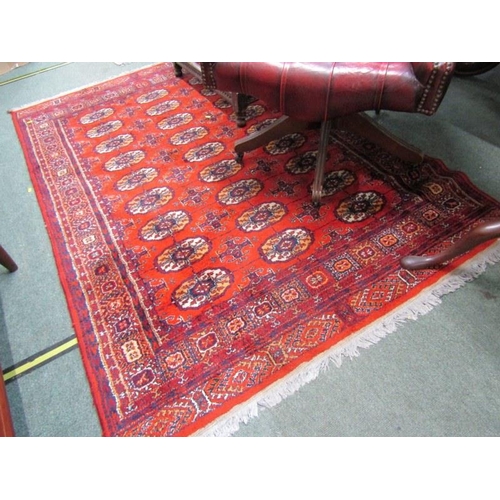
438	376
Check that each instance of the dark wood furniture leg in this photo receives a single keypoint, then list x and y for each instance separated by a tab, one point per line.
361	124
280	127
178	70
483	232
6	260
6	425
319	172
238	101
366	127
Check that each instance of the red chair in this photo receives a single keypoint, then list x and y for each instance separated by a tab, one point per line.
335	94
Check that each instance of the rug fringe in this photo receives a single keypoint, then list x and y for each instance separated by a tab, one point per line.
78	89
350	348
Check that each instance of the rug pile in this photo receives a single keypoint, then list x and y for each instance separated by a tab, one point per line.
201	287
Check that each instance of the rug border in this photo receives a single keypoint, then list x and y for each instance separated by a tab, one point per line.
64	282
52	236
465	269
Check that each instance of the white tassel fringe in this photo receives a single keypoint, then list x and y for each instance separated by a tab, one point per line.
349	348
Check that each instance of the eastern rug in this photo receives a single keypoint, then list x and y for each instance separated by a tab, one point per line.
201	287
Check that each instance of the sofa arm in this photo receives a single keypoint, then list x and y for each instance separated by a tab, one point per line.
435	79
207	74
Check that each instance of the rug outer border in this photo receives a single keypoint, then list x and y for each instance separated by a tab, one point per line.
452	277
52	233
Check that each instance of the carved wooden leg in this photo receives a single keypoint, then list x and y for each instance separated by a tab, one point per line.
178	70
6	425
282	126
363	125
6	260
240	103
319	173
483	232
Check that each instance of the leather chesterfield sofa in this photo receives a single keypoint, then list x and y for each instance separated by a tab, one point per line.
332	94
336	94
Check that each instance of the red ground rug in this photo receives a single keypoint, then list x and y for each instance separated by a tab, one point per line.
200	287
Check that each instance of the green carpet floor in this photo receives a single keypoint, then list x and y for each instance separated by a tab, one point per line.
437	376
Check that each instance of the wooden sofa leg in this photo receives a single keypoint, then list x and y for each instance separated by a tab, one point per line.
282	126
481	233
361	124
319	173
6	260
178	70
6	425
